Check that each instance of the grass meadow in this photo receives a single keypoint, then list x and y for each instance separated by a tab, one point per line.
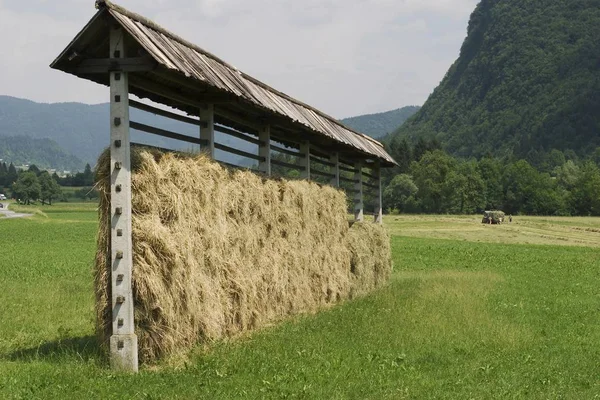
471	312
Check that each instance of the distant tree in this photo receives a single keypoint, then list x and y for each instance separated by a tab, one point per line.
465	189
49	188
429	174
27	187
12	175
585	194
527	191
490	170
88	176
400	194
33	168
87	193
567	175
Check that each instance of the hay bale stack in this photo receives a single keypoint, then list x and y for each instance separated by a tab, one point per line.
217	252
370	257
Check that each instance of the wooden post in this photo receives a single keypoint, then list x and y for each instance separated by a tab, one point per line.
123	342
264	150
358	195
379	207
207	129
335	159
305	162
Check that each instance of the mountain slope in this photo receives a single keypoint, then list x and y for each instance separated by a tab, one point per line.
380	124
44	153
83	129
527	80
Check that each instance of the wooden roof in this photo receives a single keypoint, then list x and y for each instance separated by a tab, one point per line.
184	76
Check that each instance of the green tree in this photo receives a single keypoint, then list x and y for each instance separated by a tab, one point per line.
585	195
429	174
27	187
49	188
527	191
465	189
490	170
400	194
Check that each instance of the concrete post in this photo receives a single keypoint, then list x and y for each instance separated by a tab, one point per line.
207	129
379	207
123	342
264	150
335	159
358	195
305	162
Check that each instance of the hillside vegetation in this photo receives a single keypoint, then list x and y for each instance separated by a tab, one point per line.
44	153
380	124
527	81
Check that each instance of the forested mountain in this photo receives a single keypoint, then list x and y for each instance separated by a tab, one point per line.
527	81
380	124
44	153
83	130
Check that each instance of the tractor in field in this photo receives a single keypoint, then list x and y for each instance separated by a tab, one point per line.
493	217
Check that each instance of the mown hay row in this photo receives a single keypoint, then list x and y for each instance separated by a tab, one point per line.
217	252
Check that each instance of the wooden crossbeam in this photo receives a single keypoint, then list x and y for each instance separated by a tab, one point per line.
106	65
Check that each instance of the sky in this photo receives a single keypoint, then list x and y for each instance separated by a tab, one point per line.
344	57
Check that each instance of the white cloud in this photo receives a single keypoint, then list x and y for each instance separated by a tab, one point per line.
344	56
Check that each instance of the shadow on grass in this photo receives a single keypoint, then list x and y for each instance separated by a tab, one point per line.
85	348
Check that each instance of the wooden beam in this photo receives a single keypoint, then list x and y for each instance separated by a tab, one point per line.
287	165
239	135
207	132
163	113
106	65
242	153
239	119
305	161
286	151
335	160
358	195
123	341
379	199
165	133
264	150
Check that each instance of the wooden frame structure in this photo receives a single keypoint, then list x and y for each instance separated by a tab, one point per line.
134	56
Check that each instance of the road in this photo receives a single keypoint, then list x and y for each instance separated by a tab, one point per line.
11	214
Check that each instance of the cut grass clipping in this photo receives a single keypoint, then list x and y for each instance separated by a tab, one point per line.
217	252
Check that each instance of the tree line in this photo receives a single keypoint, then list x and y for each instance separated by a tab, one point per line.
429	180
39	185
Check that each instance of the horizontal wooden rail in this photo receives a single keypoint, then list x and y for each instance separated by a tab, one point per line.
370	175
347	169
321	161
287	165
237	134
164	113
321	173
369	185
344	179
165	133
238	152
286	151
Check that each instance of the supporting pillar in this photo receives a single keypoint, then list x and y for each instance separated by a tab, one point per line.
264	150
207	129
305	162
123	342
379	199
335	159
358	194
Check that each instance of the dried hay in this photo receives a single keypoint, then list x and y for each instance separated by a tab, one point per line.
217	252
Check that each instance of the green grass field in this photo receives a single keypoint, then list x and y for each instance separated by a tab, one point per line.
471	312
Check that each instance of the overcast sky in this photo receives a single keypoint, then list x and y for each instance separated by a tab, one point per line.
345	57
